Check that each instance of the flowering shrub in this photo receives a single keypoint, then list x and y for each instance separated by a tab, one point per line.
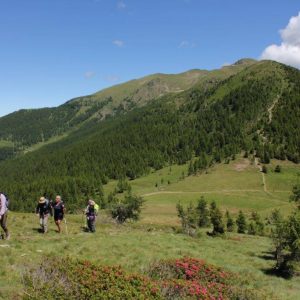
191	278
186	278
67	279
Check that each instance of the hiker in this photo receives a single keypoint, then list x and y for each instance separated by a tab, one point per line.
3	215
91	213
59	212
43	210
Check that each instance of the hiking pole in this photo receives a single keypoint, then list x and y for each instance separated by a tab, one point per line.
66	225
82	220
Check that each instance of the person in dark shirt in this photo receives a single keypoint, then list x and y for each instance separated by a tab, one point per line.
43	210
59	212
91	213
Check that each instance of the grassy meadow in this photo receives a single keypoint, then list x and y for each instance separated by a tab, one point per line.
234	186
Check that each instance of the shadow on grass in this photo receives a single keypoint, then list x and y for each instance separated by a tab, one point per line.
274	271
38	230
277	273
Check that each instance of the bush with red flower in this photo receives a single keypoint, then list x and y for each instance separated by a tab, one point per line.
190	278
185	278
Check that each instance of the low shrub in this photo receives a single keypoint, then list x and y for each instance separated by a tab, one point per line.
67	279
190	278
185	278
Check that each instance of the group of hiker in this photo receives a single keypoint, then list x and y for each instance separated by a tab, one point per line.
45	209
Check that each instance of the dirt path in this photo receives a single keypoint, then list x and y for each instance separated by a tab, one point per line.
205	192
270	109
259	166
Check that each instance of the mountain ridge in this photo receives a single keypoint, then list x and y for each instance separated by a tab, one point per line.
203	126
28	127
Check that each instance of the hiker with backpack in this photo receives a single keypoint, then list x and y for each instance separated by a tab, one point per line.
3	214
43	210
91	213
59	212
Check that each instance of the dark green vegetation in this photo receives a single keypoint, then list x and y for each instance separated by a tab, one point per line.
209	122
28	127
285	234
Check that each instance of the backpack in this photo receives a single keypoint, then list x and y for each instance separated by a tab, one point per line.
7	199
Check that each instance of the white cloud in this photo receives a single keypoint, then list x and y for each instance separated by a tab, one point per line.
118	43
186	44
121	5
89	74
288	52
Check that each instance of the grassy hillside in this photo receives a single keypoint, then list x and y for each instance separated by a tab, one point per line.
26	128
244	112
234	186
237	185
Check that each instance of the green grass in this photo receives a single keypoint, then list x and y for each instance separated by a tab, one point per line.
233	186
135	246
4	144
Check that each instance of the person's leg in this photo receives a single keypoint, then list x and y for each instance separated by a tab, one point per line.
93	227
42	223
57	222
89	223
3	224
45	223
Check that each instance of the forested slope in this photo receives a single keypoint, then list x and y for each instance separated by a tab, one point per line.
26	128
211	124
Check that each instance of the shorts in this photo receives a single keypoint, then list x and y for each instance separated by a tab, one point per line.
58	217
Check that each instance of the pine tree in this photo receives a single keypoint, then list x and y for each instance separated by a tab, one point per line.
241	223
216	219
252	228
264	169
296	195
277	169
257	223
203	213
229	222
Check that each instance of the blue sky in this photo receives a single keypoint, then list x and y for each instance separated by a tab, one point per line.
54	50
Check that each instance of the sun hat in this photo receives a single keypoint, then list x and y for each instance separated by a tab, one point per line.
42	200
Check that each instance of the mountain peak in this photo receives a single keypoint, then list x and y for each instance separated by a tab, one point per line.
244	61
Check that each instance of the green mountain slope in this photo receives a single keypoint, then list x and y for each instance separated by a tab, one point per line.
243	112
26	128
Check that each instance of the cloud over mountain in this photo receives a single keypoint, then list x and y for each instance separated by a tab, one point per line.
288	51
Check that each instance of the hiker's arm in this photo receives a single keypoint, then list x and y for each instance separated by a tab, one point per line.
2	205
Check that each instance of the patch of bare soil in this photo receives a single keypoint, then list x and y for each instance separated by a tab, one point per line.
241	165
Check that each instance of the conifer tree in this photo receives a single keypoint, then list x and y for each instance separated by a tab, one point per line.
241	223
229	222
203	213
216	219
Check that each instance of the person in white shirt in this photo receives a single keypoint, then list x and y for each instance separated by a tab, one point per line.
3	215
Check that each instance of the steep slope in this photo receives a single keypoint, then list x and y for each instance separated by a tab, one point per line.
213	124
26	128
